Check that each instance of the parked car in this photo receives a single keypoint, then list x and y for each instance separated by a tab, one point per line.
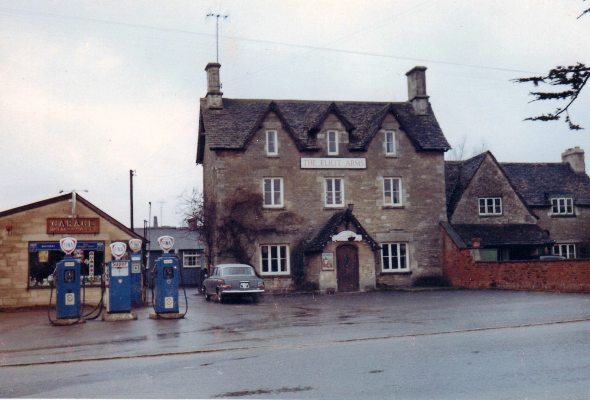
236	280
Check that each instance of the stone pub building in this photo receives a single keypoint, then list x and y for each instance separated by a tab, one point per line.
324	195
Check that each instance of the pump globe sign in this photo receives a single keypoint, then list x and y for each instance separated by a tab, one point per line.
68	245
118	249
166	243
135	245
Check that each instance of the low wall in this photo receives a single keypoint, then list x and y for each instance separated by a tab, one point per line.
554	275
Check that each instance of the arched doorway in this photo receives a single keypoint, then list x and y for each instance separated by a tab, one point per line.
347	268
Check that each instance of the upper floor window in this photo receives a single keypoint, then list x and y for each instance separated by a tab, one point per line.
190	259
394	257
272	145
334	192
565	250
490	206
392	189
332	139
273	192
390	149
274	259
562	206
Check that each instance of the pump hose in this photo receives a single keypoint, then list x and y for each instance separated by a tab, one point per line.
164	316
99	306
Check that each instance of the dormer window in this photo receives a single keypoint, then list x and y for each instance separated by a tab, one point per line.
389	143
562	206
272	145
490	206
332	139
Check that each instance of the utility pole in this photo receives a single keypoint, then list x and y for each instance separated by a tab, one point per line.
131	174
217	16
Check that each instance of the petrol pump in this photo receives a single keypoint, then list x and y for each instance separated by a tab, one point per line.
67	281
135	246
167	276
118	286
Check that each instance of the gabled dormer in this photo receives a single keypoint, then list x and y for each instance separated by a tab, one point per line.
480	192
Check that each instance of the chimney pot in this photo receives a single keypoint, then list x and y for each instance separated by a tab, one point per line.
575	158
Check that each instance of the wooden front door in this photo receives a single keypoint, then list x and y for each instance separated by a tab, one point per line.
347	268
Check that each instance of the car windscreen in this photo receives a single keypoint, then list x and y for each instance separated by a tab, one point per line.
236	271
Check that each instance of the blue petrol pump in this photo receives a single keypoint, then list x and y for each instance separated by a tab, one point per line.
135	246
118	286
67	281
167	275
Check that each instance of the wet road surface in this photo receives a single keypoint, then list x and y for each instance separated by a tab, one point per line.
433	344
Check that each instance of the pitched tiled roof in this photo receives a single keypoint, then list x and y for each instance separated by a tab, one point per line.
319	241
503	235
65	197
458	174
533	182
231	127
184	238
536	181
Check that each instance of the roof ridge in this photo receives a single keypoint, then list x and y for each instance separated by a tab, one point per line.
313	101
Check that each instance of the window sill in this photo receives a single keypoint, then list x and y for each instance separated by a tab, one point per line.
562	215
278	208
404	272
276	275
272	156
393	207
490	215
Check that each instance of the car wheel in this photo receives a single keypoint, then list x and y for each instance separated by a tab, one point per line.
255	298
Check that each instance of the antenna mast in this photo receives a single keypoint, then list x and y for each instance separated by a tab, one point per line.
217	16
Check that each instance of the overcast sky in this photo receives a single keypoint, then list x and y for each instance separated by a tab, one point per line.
92	89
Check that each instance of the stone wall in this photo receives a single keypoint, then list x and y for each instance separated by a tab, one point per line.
568	229
555	276
423	191
31	226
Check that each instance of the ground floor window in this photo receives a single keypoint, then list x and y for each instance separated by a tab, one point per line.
394	257
565	250
274	259
190	259
44	256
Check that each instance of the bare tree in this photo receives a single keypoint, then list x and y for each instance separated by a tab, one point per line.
459	152
200	217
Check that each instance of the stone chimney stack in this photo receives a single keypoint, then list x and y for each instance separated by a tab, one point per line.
417	89
575	158
214	94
